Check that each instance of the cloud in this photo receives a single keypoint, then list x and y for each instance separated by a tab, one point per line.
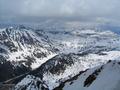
96	9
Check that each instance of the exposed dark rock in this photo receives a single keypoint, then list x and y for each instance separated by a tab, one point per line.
89	80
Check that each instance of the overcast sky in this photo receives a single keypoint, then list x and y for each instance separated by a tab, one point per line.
99	10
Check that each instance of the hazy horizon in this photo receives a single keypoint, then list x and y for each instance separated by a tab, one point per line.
82	10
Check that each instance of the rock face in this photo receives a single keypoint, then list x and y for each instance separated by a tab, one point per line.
47	60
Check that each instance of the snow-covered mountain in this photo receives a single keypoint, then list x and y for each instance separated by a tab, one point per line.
79	40
105	77
56	57
22	49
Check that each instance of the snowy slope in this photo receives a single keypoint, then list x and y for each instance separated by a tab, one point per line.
30	83
106	77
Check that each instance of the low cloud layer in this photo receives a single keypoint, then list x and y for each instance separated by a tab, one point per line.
101	10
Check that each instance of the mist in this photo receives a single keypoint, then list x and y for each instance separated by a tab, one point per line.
85	10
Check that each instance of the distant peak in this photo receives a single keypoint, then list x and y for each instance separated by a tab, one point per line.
21	27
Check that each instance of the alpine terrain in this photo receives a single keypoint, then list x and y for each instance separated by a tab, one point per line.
59	56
